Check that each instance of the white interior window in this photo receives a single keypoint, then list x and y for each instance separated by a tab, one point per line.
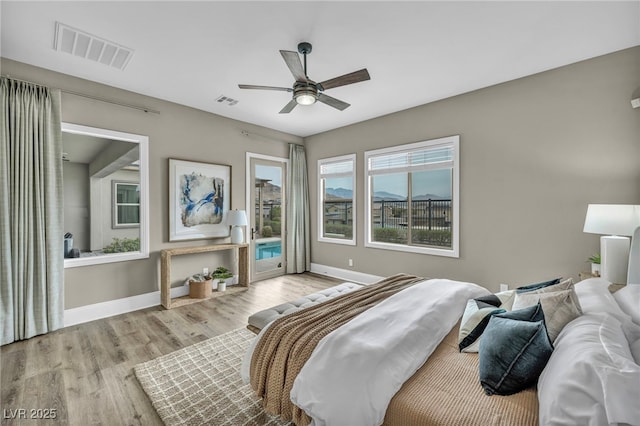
126	205
336	195
412	197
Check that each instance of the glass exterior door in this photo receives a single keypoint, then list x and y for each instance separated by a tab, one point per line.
267	219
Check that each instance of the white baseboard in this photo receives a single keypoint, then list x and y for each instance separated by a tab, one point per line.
344	274
110	308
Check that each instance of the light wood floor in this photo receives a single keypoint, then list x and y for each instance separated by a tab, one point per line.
85	372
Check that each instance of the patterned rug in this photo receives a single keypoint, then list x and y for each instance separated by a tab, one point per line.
201	384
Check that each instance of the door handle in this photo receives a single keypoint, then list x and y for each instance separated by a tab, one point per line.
253	231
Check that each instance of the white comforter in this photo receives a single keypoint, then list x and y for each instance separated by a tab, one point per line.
355	371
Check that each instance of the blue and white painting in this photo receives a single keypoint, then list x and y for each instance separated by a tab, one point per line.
201	199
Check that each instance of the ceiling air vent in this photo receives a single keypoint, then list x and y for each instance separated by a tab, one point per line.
226	100
85	45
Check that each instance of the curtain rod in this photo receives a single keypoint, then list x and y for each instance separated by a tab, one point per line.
95	98
249	134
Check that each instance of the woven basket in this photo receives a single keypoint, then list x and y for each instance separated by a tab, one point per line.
200	289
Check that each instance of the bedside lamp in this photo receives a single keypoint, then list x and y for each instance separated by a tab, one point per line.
615	222
236	219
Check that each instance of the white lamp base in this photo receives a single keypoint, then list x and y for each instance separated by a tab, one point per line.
614	252
237	236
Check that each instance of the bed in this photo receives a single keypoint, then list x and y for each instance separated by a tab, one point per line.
343	361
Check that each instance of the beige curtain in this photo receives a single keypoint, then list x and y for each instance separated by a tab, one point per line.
298	235
31	237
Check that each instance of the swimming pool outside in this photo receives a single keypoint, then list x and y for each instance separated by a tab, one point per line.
268	249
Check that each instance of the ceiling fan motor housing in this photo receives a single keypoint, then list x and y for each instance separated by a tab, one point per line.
304	48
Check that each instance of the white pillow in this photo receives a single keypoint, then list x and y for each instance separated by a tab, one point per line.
595	297
628	298
635	350
591	378
507	298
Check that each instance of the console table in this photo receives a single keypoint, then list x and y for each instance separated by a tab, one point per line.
165	271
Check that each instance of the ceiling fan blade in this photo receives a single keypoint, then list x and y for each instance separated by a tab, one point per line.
336	103
295	65
251	86
343	80
289	107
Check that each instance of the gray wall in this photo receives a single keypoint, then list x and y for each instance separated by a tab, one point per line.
76	203
534	152
178	132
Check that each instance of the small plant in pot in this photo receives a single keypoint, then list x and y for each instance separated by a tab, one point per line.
222	274
595	264
200	286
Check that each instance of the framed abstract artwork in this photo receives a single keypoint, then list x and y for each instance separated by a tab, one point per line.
199	199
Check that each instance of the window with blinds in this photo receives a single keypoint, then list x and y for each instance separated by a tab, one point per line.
412	197
336	193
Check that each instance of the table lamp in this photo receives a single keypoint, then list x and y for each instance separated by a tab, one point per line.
616	222
237	219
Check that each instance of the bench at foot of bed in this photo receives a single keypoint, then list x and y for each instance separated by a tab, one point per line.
258	320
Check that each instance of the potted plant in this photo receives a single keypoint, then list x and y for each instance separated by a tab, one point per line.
595	264
223	275
200	286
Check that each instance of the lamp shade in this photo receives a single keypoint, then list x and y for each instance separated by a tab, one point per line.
236	218
612	219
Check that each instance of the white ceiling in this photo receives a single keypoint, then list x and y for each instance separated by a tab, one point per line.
416	52
82	148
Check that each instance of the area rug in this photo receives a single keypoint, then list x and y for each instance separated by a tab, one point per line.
201	384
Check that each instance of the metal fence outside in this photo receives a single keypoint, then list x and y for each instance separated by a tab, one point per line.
425	214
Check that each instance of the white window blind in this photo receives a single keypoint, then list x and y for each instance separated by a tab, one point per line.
336	168
427	158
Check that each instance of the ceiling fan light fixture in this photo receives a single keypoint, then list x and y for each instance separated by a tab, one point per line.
305	98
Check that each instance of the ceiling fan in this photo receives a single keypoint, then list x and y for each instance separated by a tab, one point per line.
306	91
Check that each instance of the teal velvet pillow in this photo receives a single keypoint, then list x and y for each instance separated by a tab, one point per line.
530	313
537	286
513	352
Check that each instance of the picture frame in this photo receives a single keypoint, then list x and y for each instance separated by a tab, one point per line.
195	208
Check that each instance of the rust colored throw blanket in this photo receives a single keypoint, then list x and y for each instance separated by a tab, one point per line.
446	391
288	343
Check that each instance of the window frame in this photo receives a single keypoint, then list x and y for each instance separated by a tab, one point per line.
449	141
115	204
320	178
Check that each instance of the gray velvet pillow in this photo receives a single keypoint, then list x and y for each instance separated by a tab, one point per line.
512	354
561	286
560	307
